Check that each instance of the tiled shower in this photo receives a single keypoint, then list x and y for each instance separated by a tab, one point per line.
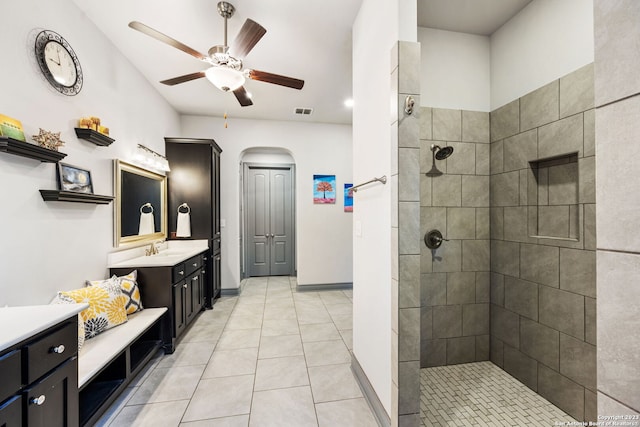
515	283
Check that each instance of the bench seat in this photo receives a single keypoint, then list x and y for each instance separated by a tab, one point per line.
110	360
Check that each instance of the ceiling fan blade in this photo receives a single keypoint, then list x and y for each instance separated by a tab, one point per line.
139	26
182	79
242	96
263	76
250	34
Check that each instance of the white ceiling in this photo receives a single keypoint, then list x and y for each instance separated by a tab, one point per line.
309	40
481	17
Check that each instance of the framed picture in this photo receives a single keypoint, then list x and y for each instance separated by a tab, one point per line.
11	128
324	189
348	198
73	178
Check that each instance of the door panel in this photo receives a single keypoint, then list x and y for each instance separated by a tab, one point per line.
269	221
258	221
281	222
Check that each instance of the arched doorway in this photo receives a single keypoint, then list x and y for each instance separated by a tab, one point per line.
267	212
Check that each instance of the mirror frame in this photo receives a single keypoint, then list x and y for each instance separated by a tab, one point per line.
120	166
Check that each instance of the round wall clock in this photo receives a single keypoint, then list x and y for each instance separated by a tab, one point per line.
58	62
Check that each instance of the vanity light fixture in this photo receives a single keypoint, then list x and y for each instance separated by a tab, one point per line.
150	159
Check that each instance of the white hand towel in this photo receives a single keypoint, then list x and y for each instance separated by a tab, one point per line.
147	225
183	228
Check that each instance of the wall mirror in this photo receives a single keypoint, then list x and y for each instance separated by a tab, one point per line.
141	205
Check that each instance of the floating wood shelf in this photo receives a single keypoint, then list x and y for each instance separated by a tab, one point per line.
32	151
94	136
74	196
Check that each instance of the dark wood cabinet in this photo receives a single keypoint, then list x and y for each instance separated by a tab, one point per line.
39	384
195	179
53	401
179	287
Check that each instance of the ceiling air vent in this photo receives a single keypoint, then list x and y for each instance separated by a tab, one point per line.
303	111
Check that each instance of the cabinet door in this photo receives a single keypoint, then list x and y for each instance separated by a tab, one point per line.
179	320
189	297
53	401
189	181
197	291
11	412
217	283
215	197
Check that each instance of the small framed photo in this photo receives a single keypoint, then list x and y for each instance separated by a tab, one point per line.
73	178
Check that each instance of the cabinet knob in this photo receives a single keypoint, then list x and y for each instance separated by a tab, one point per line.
184	286
59	349
195	264
38	400
204	272
204	258
195	278
181	272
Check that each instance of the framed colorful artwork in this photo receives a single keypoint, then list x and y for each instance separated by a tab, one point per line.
324	189
348	198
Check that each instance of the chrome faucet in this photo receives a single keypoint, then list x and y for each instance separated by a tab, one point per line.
153	248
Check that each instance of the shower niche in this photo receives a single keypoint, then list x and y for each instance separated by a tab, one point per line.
555	213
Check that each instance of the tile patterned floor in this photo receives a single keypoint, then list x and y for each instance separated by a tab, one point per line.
270	357
482	394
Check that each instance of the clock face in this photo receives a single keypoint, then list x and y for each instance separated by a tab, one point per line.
58	62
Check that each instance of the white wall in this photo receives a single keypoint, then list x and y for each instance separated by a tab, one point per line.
50	246
546	40
378	26
324	242
455	70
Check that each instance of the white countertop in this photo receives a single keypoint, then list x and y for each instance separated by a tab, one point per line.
175	253
20	323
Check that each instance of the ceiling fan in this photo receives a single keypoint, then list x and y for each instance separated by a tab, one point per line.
225	71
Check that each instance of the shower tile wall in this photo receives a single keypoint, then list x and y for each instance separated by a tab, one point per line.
543	290
455	278
617	92
405	241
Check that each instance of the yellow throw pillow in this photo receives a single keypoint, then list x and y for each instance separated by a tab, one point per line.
128	286
106	307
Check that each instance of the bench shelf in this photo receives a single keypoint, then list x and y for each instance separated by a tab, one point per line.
109	362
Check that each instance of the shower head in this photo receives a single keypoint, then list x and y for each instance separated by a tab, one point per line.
441	153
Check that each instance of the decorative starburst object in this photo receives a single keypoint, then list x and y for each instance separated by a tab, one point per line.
48	139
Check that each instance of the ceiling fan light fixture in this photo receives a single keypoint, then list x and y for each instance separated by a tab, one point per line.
225	79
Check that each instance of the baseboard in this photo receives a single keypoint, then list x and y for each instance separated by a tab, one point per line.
325	287
231	292
369	394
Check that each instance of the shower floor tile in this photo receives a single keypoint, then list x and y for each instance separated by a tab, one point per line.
482	394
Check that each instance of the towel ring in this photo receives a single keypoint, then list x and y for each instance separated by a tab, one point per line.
146	205
186	206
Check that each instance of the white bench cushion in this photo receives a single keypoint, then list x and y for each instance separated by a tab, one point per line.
97	352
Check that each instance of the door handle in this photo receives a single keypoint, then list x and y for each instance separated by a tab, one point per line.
272	235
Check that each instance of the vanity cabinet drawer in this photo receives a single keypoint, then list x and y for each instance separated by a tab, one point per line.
178	272
193	264
10	366
51	350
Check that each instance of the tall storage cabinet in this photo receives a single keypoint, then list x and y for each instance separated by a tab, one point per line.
194	179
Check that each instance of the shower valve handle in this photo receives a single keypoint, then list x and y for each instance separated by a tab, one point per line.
433	239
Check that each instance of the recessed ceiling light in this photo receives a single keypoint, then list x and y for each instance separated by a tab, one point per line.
348	102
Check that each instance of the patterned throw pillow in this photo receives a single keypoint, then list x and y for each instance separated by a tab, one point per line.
106	306
128	286
57	300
